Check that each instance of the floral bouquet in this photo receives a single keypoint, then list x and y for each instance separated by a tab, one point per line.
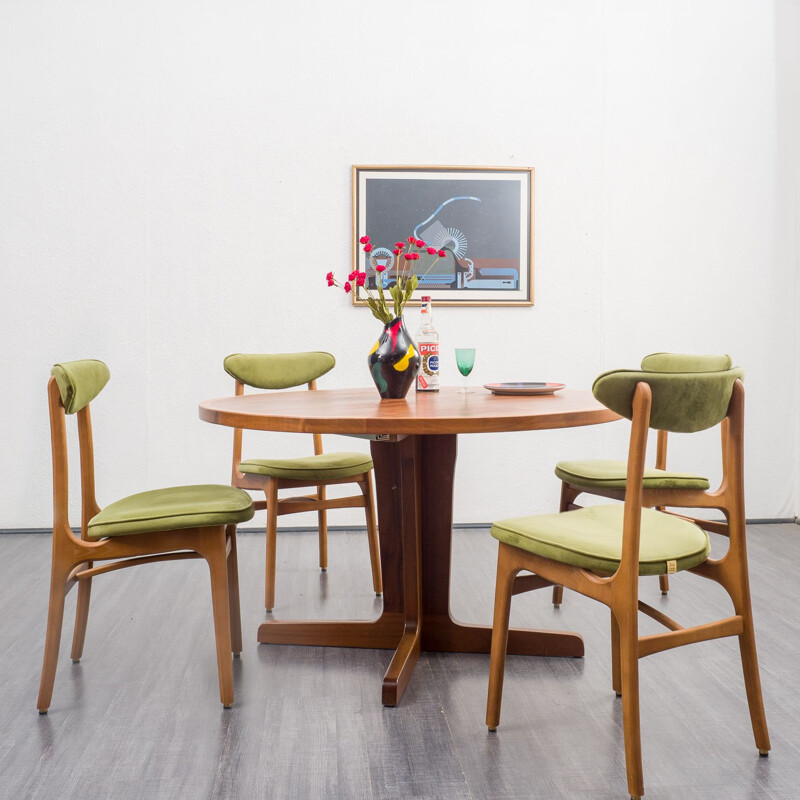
406	254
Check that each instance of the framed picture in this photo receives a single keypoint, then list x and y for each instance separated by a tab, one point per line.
479	220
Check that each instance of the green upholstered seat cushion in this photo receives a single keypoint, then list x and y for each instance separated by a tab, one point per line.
323	467
279	370
682	362
173	508
599	473
80	382
592	538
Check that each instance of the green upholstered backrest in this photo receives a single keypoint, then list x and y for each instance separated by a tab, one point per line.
278	371
684	402
80	382
681	362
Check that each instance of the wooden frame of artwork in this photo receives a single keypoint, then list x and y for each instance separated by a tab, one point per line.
482	218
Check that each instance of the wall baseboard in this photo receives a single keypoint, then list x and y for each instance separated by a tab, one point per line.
459	526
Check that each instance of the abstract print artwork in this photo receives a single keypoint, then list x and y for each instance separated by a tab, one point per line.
481	218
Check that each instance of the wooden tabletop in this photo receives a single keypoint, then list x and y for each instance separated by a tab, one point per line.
361	411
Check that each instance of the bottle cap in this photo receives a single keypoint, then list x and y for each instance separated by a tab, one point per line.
426	298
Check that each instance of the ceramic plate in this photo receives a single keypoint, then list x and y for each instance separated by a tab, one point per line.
524	388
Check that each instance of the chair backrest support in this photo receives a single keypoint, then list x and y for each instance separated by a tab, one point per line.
274	371
644	404
71	388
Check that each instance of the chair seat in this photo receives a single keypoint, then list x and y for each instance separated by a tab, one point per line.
327	466
173	508
592	538
598	473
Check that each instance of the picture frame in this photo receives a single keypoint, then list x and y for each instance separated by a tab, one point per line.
482	218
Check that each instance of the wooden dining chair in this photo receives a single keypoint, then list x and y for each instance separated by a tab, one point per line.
606	478
600	551
285	371
161	525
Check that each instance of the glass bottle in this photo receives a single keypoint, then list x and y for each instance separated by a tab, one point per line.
428	343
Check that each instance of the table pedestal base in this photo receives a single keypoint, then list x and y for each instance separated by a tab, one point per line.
414	483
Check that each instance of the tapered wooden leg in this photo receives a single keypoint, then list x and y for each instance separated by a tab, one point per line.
629	678
216	556
52	641
616	679
322	520
752	683
372	535
568	495
663	582
233	593
81	617
502	610
271	491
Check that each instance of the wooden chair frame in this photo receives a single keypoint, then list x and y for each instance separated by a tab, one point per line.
73	558
658	499
276	507
620	591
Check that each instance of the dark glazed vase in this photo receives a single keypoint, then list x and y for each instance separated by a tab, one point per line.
394	360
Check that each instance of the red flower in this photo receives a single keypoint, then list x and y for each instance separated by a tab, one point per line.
441	254
367	248
396	251
408	256
431	251
329	276
415	256
348	287
352	275
330	282
419	243
401	245
380	268
412	240
364	239
361	278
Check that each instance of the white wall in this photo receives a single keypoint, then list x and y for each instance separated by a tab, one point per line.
175	183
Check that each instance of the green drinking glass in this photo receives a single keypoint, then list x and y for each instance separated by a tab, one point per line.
465	359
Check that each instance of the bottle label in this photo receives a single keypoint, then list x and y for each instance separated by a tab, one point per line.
428	375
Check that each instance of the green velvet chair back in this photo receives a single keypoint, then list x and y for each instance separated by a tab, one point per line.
278	371
682	362
80	382
682	402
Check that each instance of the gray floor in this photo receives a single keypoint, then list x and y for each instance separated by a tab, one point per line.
140	718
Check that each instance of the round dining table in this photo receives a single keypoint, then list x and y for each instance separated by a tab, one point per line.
413	446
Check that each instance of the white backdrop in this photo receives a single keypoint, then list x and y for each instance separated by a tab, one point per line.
175	183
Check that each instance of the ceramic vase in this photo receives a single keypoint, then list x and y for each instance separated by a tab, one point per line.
394	360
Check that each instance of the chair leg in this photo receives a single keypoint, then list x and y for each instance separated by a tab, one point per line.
663	582
216	557
629	679
502	610
52	640
752	683
568	495
372	535
616	678
81	617
271	490
233	593
322	520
